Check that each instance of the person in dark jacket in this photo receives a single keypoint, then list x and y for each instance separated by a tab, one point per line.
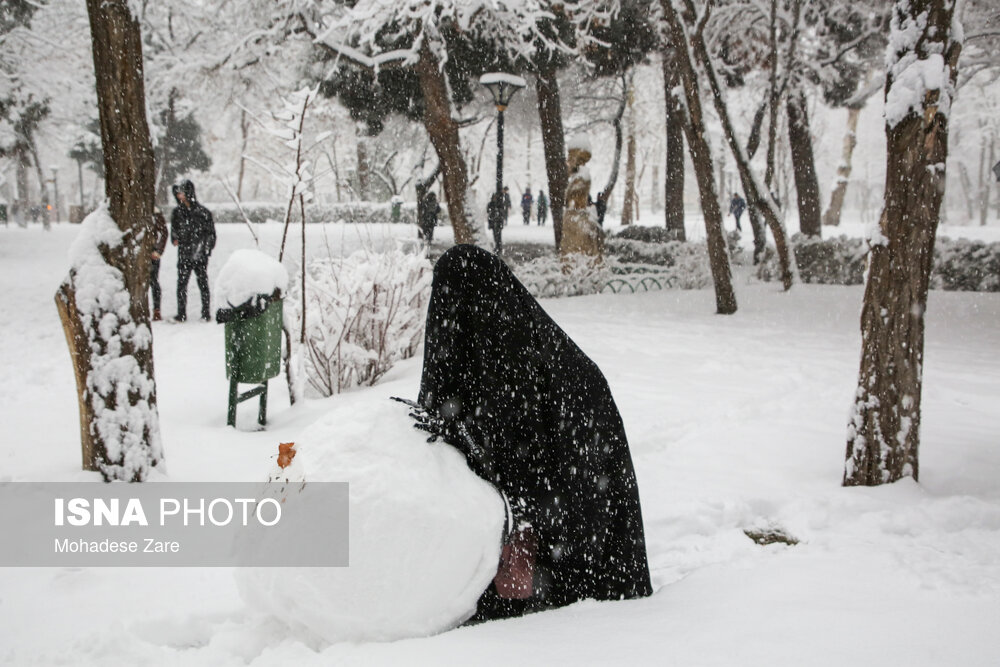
601	208
429	212
736	207
160	233
193	232
543	207
495	220
534	416
506	205
526	201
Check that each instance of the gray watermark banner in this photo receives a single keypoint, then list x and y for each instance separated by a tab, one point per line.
174	524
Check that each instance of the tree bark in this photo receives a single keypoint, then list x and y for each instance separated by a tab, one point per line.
619	139
883	435
673	189
630	205
803	164
832	215
984	201
162	182
108	333
364	167
553	144
701	157
443	132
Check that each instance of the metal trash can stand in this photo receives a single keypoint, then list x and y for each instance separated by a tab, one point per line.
253	350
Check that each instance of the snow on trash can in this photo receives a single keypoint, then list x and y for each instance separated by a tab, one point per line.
251	284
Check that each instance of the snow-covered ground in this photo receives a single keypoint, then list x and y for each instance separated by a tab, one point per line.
734	422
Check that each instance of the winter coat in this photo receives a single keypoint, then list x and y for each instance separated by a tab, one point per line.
191	227
737	205
535	417
429	212
526	200
495	213
160	233
543	205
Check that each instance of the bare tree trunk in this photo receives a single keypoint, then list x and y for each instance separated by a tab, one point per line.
364	167
162	182
773	96
673	190
803	164
109	338
984	201
619	138
701	157
883	435
244	138
630	205
443	133
21	179
832	215
553	144
43	191
963	178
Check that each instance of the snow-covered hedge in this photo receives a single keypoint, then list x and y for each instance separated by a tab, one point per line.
958	264
962	265
364	313
551	277
372	212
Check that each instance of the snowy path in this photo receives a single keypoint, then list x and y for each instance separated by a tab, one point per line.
734	422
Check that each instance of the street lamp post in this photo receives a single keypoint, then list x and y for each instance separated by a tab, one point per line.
502	87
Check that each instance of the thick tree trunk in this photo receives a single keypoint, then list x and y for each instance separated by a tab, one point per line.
773	96
107	331
884	431
43	191
21	180
673	188
832	215
754	195
553	144
803	164
443	132
701	157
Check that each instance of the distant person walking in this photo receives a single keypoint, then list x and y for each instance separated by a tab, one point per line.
601	207
193	232
506	204
429	213
160	234
543	207
494	219
736	206
526	201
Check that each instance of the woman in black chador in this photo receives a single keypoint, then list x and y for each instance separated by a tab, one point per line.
534	416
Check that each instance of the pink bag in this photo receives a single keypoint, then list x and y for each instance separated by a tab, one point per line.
517	566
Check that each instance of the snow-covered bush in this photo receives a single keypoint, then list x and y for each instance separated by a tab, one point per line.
552	277
685	264
964	265
362	212
364	313
958	265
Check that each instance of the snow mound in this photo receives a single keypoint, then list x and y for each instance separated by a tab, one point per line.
425	532
247	273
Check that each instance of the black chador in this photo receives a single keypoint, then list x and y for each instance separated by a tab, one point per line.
534	416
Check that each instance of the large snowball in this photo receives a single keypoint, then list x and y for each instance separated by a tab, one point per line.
425	532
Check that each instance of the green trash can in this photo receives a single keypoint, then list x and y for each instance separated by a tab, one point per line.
253	356
3	213
397	209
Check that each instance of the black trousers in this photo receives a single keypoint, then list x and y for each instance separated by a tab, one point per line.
184	269
154	282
